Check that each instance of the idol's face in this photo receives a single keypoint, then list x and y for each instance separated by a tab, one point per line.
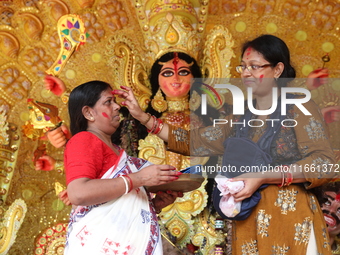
175	78
331	211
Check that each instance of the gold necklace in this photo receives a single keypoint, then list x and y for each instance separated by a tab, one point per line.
178	104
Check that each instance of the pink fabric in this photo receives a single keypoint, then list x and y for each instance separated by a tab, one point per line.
227	204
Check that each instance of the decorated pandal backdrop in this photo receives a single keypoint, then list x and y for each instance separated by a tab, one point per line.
117	42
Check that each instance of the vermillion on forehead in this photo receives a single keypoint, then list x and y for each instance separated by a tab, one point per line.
337	198
175	62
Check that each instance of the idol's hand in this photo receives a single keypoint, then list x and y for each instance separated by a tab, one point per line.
331	114
54	84
63	196
317	78
45	163
164	199
59	136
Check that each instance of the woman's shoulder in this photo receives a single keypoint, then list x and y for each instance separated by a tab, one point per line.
83	138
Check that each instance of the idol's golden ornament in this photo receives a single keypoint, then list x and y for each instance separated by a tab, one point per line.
158	102
52	240
32	25
206	237
71	31
58	9
127	64
217	55
177	104
195	101
175	25
9	44
179	217
4	137
43	115
11	223
8	159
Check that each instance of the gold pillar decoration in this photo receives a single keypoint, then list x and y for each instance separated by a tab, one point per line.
9	135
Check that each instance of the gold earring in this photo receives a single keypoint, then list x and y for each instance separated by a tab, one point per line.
195	101
158	103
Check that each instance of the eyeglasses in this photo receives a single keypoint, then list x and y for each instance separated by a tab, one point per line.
241	68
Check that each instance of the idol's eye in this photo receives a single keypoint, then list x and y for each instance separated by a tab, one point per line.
167	73
184	72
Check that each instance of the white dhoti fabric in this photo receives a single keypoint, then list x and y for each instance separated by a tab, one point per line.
126	225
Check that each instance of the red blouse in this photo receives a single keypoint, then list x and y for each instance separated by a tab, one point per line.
87	156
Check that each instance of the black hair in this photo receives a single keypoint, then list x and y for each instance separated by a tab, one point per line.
86	94
274	50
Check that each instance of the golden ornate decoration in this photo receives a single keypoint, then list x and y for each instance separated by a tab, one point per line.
4	137
152	149
71	31
158	102
11	223
52	240
8	159
43	115
120	49
127	63
176	25
178	104
205	234
179	217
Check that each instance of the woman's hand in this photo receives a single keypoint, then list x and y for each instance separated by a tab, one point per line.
154	175
59	136
164	199
317	78
45	163
130	102
54	84
251	184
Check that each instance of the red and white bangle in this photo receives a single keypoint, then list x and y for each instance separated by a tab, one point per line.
287	177
130	182
126	185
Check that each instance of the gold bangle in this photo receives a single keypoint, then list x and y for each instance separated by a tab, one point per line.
147	120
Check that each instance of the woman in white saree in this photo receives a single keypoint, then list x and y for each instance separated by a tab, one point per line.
112	211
